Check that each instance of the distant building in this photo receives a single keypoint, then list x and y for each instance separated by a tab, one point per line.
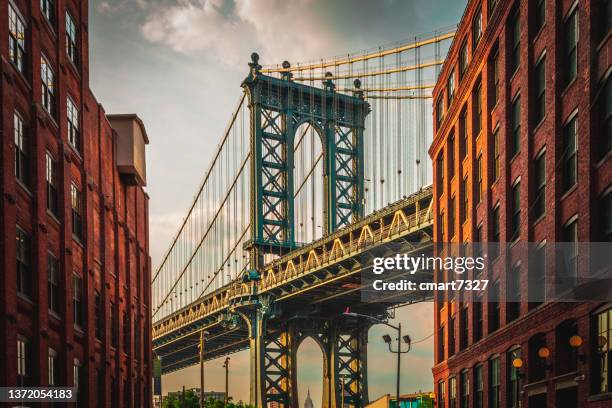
308	403
215	395
415	400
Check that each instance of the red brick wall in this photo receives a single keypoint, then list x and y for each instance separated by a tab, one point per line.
113	257
594	173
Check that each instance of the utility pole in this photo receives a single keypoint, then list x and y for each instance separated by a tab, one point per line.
226	366
202	338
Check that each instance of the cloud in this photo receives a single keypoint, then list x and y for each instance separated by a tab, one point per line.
229	31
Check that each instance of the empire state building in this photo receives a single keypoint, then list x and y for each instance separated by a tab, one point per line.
308	401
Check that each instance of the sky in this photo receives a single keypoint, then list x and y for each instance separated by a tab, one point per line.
178	64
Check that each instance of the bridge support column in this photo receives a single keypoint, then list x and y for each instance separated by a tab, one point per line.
347	383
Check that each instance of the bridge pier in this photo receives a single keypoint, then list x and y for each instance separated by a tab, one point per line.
273	359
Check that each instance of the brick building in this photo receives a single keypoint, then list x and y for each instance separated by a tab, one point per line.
522	147
74	250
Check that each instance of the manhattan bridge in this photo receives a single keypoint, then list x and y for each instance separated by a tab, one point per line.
322	165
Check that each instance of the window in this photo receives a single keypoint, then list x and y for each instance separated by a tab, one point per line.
565	356
465	389
464	203
477	101
514	379
463	60
98	315
74	137
47	7
478	386
495	69
451	217
540	15
71	39
515	26
570	154
24	272
478	322
494	310
539	205
452	392
440	168
463	330
537	366
51	181
439	112
23	361
513	300
76	201
47	79
570	47
17	36
570	255
441	338
516	212
451	156
603	327
516	127
494	383
480	175
476	28
450	87
21	149
77	299
441	393
53	294
463	135
540	88
52	364
496	155
537	277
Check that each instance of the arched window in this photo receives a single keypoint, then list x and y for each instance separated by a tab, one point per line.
565	355
537	364
602	345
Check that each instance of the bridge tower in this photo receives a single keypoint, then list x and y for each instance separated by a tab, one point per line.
278	106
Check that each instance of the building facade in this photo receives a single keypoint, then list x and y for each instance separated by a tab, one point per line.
521	153
74	250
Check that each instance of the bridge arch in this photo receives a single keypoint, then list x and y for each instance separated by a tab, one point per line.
311	373
309	181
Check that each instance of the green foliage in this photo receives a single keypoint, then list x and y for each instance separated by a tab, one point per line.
191	401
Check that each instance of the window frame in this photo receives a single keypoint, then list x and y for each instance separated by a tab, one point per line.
17	28
539	202
48	84
24	267
494	382
53	283
76	211
72	39
540	89
51	184
570	46
47	9
22	161
515	37
73	128
77	300
477	28
570	157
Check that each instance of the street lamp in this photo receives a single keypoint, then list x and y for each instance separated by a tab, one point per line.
203	334
387	339
226	366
